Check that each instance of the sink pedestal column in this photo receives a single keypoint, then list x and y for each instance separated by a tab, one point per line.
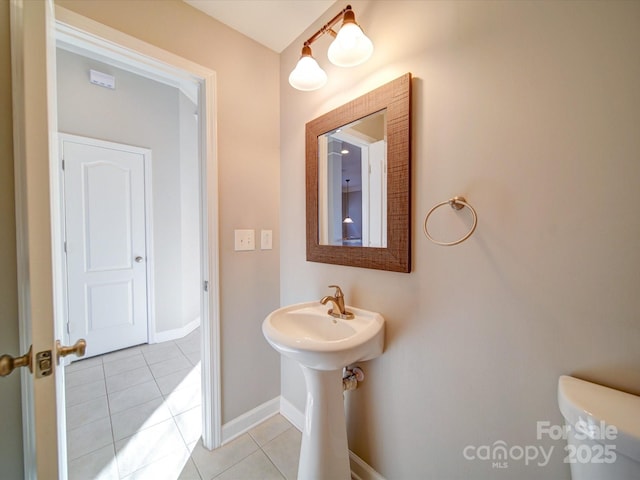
324	453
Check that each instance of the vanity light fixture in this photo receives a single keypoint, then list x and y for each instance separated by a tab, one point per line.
307	75
347	219
349	48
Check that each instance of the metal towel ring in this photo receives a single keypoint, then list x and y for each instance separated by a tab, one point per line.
457	203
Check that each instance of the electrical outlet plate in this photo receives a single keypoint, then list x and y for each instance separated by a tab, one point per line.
245	240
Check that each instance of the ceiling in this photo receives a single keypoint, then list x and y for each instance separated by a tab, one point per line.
273	23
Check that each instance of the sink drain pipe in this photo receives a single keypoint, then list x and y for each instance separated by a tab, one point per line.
351	377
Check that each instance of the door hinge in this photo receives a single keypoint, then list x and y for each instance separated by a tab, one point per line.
63	164
68	327
65	246
206	285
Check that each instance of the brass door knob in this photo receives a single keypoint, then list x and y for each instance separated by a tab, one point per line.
8	363
78	348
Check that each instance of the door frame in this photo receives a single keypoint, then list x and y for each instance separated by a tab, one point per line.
148	227
33	27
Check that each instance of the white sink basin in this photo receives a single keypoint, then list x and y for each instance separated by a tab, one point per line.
307	333
323	345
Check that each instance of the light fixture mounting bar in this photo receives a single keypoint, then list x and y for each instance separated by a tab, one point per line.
327	28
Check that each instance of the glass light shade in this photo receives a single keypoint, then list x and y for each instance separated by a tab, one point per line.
307	75
351	46
347	220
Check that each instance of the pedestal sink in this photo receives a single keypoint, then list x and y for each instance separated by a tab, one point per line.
323	345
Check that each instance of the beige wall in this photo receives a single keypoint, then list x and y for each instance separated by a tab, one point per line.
248	155
532	111
10	412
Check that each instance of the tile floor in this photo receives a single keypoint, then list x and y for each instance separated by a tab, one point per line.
135	414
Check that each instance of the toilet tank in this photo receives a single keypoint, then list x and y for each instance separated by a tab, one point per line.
602	430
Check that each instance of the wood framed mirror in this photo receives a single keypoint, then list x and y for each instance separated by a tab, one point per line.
358	160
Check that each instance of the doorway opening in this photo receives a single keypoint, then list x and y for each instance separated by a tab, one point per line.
176	360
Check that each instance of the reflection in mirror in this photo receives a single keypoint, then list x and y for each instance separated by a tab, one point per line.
352	183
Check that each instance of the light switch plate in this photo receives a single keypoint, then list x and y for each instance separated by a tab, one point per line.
266	239
245	240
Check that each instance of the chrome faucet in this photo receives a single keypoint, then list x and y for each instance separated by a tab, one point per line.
338	301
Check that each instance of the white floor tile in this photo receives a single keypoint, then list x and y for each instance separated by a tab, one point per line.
97	465
128	379
284	452
83	363
167	367
180	379
85	392
132	396
156	346
152	420
116	367
78	378
194	357
212	463
189	346
190	472
190	343
172	467
147	446
87	412
88	438
190	425
140	417
165	351
269	429
184	399
255	467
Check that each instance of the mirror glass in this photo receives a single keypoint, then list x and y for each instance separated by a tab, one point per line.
358	182
352	183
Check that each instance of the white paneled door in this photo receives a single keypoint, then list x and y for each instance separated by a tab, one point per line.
106	248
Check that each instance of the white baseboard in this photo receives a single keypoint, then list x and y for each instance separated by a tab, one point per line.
176	333
250	419
291	413
360	470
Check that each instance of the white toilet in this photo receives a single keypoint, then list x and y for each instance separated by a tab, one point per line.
603	430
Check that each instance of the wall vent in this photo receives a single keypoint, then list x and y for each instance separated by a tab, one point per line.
102	79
